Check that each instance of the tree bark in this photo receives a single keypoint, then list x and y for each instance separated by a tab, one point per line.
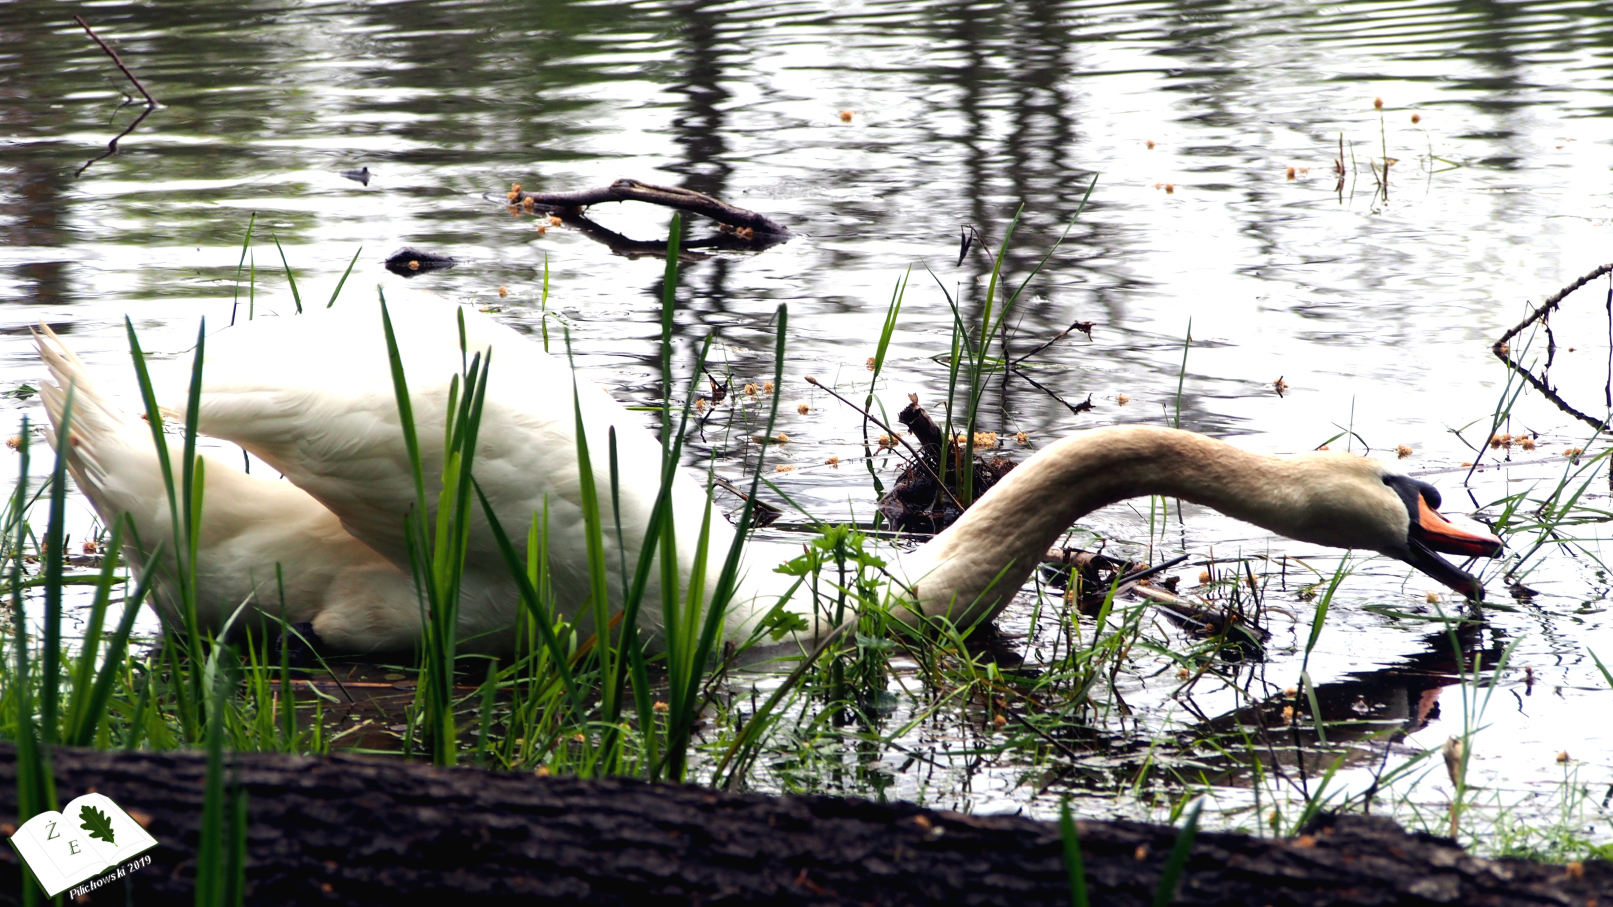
367	831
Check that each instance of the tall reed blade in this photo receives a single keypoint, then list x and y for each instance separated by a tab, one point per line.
50	667
36	786
437	550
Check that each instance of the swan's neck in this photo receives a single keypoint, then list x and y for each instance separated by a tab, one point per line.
973	568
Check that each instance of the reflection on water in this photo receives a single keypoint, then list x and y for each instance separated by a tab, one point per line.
1376	307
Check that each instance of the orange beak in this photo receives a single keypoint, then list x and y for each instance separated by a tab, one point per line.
1432	532
1436	530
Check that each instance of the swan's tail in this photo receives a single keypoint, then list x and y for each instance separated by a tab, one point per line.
356	600
109	453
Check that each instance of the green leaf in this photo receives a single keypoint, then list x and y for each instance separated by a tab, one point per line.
779	623
97	823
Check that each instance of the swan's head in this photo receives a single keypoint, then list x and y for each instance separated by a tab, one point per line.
1430	533
1354	502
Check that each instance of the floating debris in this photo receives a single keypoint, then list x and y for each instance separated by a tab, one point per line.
409	261
924	497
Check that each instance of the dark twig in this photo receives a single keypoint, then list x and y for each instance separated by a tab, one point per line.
1552	302
1061	335
768	513
1503	350
1077	408
894	436
151	102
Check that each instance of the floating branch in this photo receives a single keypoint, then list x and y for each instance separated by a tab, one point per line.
747	224
151	102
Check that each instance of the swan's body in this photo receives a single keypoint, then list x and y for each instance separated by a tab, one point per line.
313	397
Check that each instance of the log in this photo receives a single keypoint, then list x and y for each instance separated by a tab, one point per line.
630	190
352	830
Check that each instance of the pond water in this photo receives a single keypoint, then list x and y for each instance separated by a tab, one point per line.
878	132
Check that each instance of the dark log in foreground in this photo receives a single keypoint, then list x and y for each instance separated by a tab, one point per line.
363	831
626	190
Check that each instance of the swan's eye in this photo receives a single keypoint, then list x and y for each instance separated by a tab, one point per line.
1410	490
1430	494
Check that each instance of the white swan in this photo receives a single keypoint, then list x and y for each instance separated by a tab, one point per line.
313	396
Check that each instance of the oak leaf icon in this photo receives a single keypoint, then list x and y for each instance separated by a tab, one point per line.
96	823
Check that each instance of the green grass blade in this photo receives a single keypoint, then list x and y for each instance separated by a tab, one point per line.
246	244
1181	373
291	278
36	791
1180	852
83	676
100	694
1072	856
50	667
343	282
400	388
1606	675
529	595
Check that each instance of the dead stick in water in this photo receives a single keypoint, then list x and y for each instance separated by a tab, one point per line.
1551	302
151	102
630	190
1503	351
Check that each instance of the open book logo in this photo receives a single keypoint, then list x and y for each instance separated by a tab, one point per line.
87	838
